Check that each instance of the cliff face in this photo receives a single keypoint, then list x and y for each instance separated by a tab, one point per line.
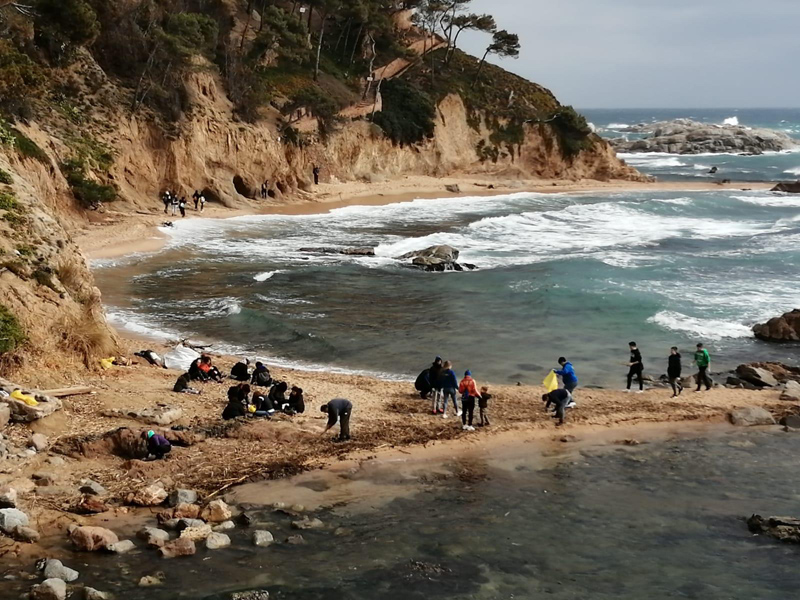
45	281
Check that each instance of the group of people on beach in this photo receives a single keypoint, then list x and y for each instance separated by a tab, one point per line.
177	204
441	383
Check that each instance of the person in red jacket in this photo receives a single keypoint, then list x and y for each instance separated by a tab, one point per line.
469	392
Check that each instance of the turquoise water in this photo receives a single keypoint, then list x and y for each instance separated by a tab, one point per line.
659	520
573	275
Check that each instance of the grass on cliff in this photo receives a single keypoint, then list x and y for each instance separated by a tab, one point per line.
11	333
5	177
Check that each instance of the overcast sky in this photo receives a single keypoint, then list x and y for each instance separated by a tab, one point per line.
654	53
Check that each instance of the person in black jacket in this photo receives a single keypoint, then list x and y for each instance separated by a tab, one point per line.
339	409
562	400
297	403
239	393
183	385
233	410
261	376
674	371
240	371
635	367
195	372
277	395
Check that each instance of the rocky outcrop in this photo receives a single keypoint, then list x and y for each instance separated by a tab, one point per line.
788	188
785	328
785	529
436	258
22	412
684	136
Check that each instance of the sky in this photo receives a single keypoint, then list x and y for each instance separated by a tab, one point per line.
654	53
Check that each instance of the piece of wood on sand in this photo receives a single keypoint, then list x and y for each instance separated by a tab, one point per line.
70	391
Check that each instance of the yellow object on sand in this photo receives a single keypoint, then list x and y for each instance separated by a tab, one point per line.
107	363
251	408
551	381
29	400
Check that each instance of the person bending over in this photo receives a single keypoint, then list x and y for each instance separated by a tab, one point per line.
339	409
157	445
240	371
562	400
234	410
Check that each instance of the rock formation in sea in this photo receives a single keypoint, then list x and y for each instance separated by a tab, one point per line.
785	328
685	136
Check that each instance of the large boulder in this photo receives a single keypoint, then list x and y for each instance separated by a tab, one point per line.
750	416
20	412
92	539
785	328
435	258
792	392
757	376
789	188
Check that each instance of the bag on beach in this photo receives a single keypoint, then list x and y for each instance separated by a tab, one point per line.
180	358
551	381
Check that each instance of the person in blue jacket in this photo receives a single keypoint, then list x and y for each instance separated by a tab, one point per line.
568	376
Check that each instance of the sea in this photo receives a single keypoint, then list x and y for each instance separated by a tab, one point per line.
573	275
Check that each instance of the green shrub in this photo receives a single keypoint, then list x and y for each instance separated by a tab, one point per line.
408	113
89	193
5	177
321	105
63	24
90	152
8	202
11	334
191	33
27	148
44	277
20	77
574	133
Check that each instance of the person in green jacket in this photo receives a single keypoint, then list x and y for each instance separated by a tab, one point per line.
703	361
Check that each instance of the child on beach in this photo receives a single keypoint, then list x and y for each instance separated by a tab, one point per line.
469	392
483	405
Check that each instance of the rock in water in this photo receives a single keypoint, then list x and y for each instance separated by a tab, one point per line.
436	258
93	594
262	539
684	136
224	526
54	569
217	512
179	547
785	529
11	518
792	187
785	328
215	541
252	595
122	547
750	416
153	537
197	534
92	539
49	589
307	523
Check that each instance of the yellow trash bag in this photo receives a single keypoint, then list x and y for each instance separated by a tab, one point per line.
107	363
251	408
551	381
29	400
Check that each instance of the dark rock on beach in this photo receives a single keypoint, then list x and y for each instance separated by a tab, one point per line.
789	188
684	136
436	259
785	328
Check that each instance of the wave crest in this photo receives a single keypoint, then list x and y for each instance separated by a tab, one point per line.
707	329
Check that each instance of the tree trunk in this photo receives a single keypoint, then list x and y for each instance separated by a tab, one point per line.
371	66
247	23
319	48
263	8
480	67
358	39
452	49
310	14
344	29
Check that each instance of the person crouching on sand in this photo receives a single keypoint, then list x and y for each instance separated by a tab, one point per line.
469	392
157	445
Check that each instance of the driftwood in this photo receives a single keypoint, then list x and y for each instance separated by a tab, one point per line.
71	391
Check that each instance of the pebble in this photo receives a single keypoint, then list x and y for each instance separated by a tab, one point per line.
55	569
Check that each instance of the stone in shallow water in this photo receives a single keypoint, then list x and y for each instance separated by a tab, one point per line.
262	539
54	569
215	541
49	589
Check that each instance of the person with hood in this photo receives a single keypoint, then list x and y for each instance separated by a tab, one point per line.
635	367
469	393
434	373
195	372
239	393
448	383
674	369
240	371
703	361
339	409
277	395
234	409
568	376
261	376
157	445
297	403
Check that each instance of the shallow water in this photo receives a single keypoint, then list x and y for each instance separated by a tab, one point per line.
573	275
659	520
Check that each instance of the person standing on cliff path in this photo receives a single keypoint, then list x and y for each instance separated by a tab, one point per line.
196	198
315	171
568	376
674	369
703	361
635	367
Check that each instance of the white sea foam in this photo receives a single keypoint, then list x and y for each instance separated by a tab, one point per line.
794	171
731	121
131	322
676	201
618	126
777	201
266	275
706	329
653	161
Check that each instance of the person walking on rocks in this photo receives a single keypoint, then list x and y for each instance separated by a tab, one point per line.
674	369
635	367
703	361
339	409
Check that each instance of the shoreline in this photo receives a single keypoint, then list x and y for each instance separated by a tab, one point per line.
124	234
